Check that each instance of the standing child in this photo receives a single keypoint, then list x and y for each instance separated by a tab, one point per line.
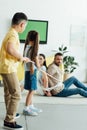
30	83
9	58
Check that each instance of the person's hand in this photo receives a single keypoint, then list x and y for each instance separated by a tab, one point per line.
25	59
48	93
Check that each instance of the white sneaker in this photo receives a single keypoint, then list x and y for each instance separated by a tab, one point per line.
34	109
29	112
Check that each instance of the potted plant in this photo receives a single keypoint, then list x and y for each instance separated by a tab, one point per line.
69	62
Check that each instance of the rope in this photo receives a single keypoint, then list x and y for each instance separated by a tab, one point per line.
56	86
59	84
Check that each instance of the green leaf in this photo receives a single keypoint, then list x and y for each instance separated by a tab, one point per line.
65	48
60	49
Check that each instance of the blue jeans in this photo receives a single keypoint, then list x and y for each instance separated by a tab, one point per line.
67	91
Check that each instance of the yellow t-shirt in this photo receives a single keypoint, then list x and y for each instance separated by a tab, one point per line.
9	63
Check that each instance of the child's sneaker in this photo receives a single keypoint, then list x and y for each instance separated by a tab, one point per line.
12	126
29	112
17	116
34	109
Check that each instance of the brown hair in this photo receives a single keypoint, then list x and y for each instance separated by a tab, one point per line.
44	59
32	36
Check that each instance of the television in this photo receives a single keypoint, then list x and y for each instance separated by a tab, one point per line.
41	26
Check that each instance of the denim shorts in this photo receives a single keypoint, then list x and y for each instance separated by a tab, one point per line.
30	82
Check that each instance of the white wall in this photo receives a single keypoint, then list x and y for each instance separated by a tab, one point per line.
60	15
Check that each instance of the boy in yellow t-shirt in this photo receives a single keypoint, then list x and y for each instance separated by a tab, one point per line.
9	58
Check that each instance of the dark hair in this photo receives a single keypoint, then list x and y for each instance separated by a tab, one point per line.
44	59
32	36
58	54
18	17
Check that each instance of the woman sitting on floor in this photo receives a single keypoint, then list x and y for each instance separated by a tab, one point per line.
42	79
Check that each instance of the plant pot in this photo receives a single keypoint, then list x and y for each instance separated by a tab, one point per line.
66	76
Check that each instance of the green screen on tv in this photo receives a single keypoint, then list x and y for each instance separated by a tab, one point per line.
40	26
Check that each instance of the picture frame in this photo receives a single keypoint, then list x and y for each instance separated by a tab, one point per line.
77	35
